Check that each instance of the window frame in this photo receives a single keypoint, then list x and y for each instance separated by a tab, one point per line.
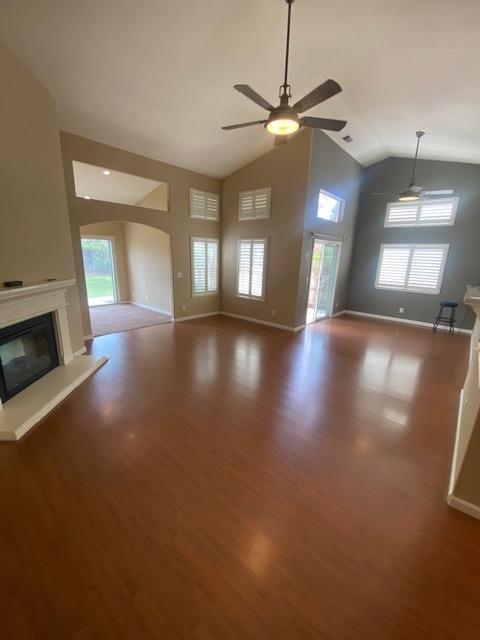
418	223
205	240
267	214
411	247
205	216
264	274
335	197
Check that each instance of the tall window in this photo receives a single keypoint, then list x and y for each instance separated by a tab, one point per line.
426	212
204	266
99	268
411	267
329	207
251	268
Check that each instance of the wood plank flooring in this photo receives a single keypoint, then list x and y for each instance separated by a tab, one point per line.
220	479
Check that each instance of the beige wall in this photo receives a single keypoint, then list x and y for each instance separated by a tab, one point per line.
35	241
177	222
149	266
156	199
285	170
115	230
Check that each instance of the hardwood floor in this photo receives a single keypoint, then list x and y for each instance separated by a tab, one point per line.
220	479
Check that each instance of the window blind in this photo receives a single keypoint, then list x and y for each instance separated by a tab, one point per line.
411	267
254	204
425	212
204	266
204	205
251	268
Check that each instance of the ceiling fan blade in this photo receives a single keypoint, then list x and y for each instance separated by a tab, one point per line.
324	123
320	94
248	92
243	124
279	140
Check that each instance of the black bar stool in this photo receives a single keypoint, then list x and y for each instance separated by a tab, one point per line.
446	318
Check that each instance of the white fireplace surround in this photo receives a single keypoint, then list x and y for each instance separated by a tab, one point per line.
19	414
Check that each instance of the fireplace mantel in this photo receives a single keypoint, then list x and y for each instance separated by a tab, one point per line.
22	412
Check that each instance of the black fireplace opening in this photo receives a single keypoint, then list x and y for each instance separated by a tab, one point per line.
28	350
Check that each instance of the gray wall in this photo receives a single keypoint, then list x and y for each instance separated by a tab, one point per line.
382	182
332	170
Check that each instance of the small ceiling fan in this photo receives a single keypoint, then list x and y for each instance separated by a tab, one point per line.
284	119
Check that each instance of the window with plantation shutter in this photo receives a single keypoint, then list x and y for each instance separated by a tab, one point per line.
251	268
204	205
426	212
411	267
254	205
204	266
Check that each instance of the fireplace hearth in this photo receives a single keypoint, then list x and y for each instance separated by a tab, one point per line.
28	351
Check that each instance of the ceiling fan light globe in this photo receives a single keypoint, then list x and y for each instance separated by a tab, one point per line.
409	195
282	126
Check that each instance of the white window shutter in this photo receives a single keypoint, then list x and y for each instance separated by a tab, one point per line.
244	267
204	266
204	205
401	214
212	266
251	268
254	204
393	266
426	268
437	212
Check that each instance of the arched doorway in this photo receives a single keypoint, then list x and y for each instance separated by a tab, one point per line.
127	268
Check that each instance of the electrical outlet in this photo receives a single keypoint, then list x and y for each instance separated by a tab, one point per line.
184	306
401	310
274	312
337	304
179	274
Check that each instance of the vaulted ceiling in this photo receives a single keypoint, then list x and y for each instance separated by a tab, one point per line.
156	77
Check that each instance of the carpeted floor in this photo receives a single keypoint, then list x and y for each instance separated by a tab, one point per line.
112	318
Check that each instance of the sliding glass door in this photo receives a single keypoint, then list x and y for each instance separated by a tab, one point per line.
323	274
98	264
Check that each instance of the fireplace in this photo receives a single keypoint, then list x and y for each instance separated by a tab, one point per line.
28	351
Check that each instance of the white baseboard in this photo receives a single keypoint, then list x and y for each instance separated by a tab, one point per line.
339	313
417	323
150	308
196	316
89	337
264	322
80	351
462	505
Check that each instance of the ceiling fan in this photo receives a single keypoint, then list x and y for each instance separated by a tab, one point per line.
284	119
413	192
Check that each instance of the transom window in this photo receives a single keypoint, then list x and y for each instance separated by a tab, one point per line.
411	267
330	207
251	268
204	266
426	212
254	205
204	205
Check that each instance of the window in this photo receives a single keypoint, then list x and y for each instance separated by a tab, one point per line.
204	205
99	268
426	212
204	266
411	267
254	205
251	268
329	207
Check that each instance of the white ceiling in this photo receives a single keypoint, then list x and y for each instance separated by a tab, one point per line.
119	187
156	77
